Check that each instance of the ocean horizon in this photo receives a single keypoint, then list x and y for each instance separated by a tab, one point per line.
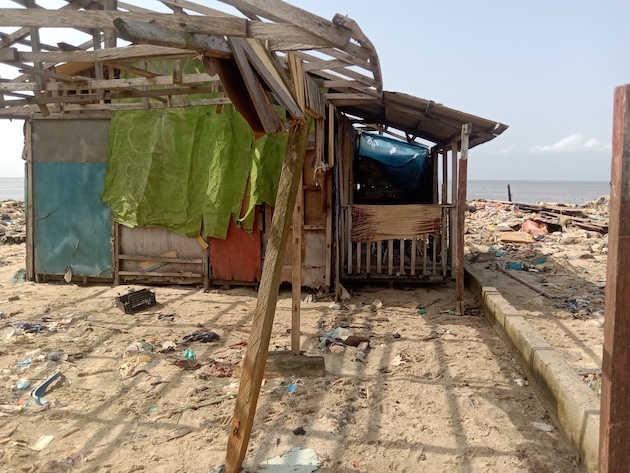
568	192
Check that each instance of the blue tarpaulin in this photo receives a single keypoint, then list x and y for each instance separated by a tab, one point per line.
405	165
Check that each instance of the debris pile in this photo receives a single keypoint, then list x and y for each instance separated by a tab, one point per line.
535	237
12	222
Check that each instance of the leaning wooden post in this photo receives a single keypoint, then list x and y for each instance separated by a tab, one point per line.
462	176
614	430
258	344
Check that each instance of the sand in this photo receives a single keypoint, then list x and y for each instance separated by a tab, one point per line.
446	396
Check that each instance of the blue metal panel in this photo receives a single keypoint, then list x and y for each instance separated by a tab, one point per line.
71	225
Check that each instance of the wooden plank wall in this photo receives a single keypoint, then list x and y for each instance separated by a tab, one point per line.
316	231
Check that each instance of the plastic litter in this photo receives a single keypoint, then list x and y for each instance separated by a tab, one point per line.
19	276
136	301
333	336
190	355
544	426
40	390
42	443
203	337
22	384
57	356
24	363
292	388
497	252
296	460
28	327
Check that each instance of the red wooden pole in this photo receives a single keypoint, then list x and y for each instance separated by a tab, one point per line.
614	437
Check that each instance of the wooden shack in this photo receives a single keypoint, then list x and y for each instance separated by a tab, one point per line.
150	140
70	95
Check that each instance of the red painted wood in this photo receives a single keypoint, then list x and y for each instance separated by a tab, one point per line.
238	257
614	438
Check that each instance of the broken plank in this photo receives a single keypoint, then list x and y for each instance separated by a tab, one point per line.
260	60
267	114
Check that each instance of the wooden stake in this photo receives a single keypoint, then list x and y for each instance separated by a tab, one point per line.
614	433
296	272
462	175
258	344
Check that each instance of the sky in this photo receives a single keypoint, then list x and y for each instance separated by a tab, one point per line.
546	69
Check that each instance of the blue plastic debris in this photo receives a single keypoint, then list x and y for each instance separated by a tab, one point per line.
40	390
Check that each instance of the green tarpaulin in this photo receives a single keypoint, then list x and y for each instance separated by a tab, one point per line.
187	169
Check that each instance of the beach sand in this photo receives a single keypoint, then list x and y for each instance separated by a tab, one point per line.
446	396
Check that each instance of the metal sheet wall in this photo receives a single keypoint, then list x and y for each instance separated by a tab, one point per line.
71	226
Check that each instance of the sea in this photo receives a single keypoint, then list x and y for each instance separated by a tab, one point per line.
568	192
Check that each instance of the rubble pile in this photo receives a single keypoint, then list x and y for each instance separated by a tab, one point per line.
533	237
12	222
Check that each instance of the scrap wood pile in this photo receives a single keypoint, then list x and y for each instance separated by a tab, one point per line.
540	238
12	222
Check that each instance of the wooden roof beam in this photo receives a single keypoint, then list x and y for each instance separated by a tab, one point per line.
102	19
365	42
281	12
136	52
282	36
109	84
148	33
195	7
28	110
94	97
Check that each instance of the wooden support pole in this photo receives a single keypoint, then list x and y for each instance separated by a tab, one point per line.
452	240
436	193
462	175
296	271
258	344
30	214
38	66
444	177
614	431
414	249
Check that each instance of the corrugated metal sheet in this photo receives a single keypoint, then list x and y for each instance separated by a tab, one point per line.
71	224
238	257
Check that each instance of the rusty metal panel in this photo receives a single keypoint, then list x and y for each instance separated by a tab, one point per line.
239	256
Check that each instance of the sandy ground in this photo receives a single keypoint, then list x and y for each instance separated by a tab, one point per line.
444	397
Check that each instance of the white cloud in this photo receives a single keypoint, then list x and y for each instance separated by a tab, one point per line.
509	150
591	144
572	143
